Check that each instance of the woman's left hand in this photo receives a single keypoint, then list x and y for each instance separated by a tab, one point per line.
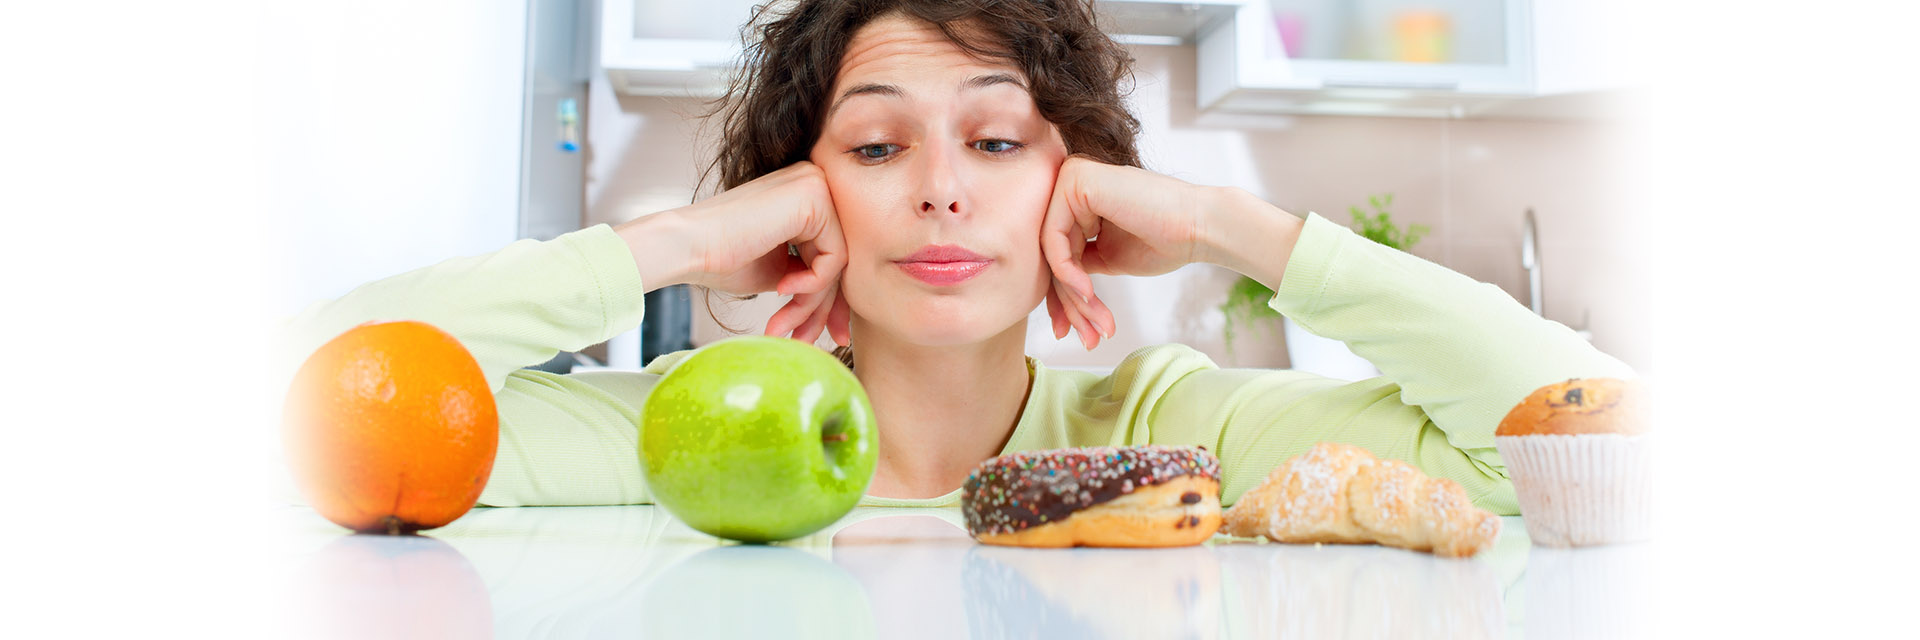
1121	220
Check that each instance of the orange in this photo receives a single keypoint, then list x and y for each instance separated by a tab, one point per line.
390	427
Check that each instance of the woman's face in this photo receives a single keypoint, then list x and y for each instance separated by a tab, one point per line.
940	168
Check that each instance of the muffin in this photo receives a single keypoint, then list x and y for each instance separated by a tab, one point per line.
1578	452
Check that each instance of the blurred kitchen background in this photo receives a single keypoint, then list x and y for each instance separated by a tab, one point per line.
472	124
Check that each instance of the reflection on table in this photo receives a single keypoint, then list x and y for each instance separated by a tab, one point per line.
636	571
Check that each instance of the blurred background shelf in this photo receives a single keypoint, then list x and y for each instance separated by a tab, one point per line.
1416	58
1548	59
651	48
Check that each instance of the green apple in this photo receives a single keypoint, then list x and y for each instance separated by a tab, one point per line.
758	439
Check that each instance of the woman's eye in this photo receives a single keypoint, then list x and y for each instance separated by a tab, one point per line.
996	146
876	151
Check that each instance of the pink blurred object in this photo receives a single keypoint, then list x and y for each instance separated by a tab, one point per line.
1292	28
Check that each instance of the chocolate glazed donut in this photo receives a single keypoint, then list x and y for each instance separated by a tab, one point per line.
1145	496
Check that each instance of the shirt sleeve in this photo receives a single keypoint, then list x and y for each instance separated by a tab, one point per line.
564	439
1454	354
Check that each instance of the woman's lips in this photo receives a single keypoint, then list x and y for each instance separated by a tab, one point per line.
943	273
943	265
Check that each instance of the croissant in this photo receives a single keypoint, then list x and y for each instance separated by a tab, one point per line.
1340	493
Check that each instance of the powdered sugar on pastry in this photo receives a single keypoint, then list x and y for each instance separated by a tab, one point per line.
1337	493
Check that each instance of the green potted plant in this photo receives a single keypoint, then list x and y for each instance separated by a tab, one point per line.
1246	303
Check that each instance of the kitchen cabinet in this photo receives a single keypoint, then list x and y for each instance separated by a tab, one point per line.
1420	58
671	48
688	48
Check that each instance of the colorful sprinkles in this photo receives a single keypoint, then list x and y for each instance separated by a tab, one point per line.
1019	490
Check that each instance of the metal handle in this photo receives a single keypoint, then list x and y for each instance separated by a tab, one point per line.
1530	260
1339	83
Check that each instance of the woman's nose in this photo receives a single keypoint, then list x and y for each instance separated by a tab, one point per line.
939	184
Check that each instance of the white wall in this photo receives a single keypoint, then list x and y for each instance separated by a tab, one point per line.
161	159
394	137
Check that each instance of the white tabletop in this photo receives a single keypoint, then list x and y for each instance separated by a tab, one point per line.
635	571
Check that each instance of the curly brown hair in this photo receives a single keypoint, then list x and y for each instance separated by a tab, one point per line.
776	101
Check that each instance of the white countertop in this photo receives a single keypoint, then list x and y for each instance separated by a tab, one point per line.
635	571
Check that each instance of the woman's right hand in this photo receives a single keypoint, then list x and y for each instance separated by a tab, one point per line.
737	242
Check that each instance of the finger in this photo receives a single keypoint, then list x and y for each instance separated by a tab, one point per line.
1090	324
1098	316
757	276
777	323
792	314
1061	234
792	268
824	249
810	330
1062	252
1093	259
839	320
1096	311
1055	312
814	276
1064	298
778	320
1079	322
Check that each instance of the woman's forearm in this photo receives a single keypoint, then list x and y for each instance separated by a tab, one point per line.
661	248
1464	351
1247	234
513	307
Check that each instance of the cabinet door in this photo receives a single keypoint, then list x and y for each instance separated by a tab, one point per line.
1362	56
671	48
674	48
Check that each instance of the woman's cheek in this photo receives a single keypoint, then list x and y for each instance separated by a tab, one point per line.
868	237
1034	191
1042	274
856	285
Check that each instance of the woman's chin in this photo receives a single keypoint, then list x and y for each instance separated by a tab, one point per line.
946	333
948	327
975	315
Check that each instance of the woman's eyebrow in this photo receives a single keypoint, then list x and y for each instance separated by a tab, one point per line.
988	80
865	89
876	89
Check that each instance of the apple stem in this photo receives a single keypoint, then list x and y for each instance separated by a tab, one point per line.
393	525
834	437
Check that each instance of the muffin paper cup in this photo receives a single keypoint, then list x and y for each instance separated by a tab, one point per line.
1579	490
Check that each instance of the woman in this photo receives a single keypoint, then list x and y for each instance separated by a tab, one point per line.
941	168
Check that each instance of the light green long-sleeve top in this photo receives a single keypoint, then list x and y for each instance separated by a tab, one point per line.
1455	355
